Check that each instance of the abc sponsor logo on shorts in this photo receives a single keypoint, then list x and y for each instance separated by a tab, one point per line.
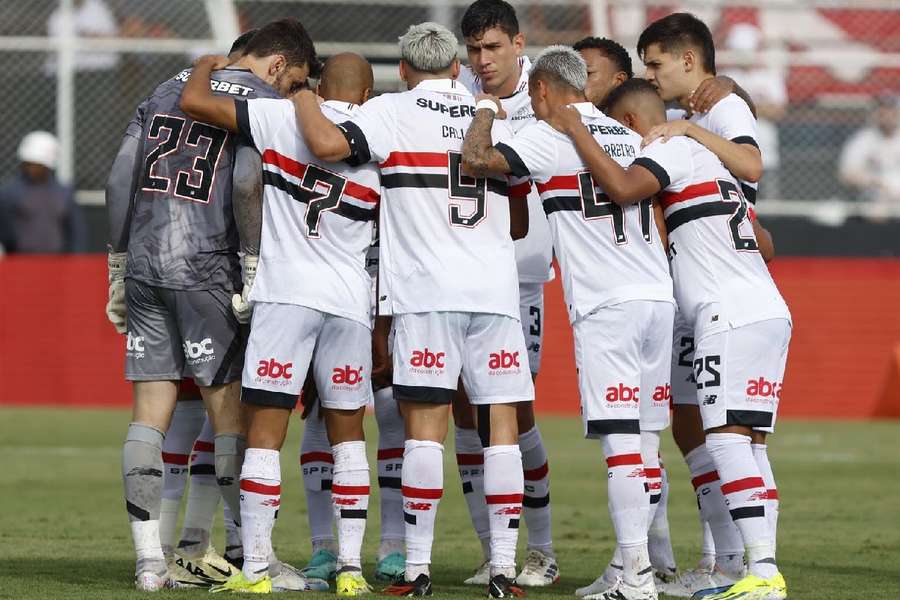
198	352
346	378
274	372
134	346
503	363
763	391
662	394
426	362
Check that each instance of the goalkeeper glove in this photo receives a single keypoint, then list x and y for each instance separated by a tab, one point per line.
115	307
240	305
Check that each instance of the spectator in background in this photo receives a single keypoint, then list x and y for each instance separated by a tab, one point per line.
766	86
870	161
37	212
92	18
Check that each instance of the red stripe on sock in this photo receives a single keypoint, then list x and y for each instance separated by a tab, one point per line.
772	494
655	486
503	498
739	485
469	459
622	460
316	457
350	490
201	446
385	453
422	493
539	473
653	473
705	478
248	485
175	459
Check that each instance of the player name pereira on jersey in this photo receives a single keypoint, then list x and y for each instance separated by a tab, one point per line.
183	234
720	277
607	254
444	237
534	252
317	218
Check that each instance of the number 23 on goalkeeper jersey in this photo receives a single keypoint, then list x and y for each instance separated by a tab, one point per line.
317	218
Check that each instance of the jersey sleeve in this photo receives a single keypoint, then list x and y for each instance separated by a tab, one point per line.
260	118
731	119
669	162
531	153
370	133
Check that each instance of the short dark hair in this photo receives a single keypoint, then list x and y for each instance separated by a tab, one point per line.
486	14
677	31
629	88
611	49
289	38
241	42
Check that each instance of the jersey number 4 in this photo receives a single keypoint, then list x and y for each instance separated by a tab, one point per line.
599	206
168	130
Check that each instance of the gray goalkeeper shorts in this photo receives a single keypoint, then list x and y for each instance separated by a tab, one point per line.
182	333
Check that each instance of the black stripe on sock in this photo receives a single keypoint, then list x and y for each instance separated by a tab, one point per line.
353	513
411	519
467	487
532	502
655	498
203	470
389	482
137	512
513	523
747	512
326	484
645	571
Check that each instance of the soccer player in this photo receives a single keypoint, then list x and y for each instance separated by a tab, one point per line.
316	227
497	66
724	291
617	288
173	257
447	275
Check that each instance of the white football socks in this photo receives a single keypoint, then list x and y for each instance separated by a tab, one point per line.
761	455
536	503
316	464
391	437
470	462
423	486
260	499
503	491
350	495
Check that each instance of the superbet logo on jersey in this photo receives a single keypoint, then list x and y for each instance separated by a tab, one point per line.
623	393
764	390
503	362
426	361
346	378
273	370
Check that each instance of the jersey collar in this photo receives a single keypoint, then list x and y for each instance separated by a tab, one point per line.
451	86
345	108
522	85
587	109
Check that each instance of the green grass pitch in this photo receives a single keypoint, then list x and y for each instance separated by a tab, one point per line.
64	531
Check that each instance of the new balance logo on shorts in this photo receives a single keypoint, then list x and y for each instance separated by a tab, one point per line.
623	393
503	363
346	378
761	390
426	362
134	346
198	352
274	372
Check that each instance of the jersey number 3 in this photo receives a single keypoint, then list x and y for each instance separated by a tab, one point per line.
168	130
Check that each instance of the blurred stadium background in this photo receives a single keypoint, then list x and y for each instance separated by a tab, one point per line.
818	70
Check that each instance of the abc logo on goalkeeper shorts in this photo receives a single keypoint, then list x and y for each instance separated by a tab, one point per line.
198	352
273	372
346	378
134	346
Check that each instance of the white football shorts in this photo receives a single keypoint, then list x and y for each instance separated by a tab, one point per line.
432	349
285	338
531	311
739	374
622	357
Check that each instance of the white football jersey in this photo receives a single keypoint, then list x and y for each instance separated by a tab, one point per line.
732	119
607	254
317	218
720	276
534	252
444	237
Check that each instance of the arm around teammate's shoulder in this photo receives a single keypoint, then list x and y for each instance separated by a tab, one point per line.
323	138
479	156
199	103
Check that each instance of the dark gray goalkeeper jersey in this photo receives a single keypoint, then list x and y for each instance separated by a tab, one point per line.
182	234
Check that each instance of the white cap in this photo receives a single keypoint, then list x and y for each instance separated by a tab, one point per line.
39	147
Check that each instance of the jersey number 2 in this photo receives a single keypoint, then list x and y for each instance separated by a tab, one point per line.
204	164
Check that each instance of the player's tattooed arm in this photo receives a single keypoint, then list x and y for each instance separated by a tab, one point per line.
623	186
479	157
247	191
711	90
743	160
323	137
199	103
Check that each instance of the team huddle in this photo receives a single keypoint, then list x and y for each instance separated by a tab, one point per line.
273	244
